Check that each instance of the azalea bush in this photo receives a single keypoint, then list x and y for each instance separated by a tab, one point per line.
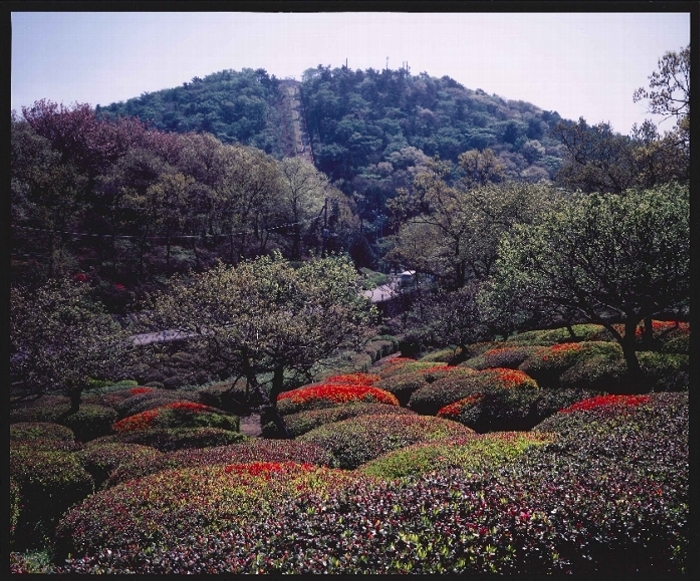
548	366
474	453
169	439
49	482
509	356
432	398
246	451
149	525
353	379
327	395
101	460
357	440
179	414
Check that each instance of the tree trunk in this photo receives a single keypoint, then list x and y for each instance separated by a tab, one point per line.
269	404
635	378
648	334
75	397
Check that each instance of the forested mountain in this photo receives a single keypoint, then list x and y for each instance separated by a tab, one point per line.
367	128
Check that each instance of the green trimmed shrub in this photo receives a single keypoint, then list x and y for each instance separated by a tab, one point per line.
301	422
509	356
49	482
402	385
405	365
474	453
442	355
548	337
357	440
23	431
90	421
252	450
46	408
665	371
101	460
430	399
169	439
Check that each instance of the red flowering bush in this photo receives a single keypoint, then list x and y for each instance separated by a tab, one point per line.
153	398
246	451
327	395
354	379
428	400
169	439
148	524
301	422
609	403
357	440
178	414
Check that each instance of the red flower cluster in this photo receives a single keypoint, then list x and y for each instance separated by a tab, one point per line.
139	390
265	469
661	326
565	347
339	393
354	379
119	287
605	401
454	409
510	377
143	420
80	277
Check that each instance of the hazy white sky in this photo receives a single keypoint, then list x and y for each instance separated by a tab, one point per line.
576	64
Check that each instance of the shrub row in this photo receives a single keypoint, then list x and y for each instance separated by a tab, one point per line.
331	394
169	439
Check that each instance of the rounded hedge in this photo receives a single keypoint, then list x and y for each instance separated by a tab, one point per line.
357	440
179	414
23	431
101	460
430	399
301	422
170	439
49	482
153	398
473	453
329	395
253	450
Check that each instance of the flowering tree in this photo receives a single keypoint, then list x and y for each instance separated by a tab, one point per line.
264	316
606	257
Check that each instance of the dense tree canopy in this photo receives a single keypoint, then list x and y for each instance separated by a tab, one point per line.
60	339
266	316
610	258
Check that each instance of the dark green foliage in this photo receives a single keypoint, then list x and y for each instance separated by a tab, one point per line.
402	385
236	107
90	421
169	439
665	371
22	431
588	332
252	450
301	422
49	482
357	440
102	459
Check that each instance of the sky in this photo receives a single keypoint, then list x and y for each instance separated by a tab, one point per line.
578	64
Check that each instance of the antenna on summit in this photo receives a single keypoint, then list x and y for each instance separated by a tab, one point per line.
387	63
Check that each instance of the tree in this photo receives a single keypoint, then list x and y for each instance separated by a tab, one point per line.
264	316
60	339
481	167
607	257
669	90
598	160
